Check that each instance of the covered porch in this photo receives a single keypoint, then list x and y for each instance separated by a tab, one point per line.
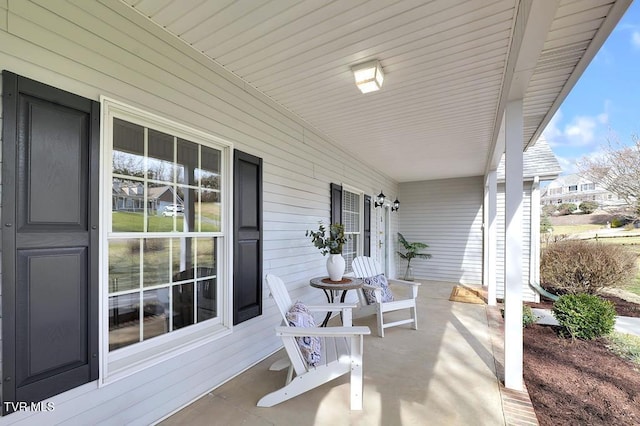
448	372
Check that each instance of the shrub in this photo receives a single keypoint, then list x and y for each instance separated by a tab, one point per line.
566	208
548	209
578	266
528	317
584	316
545	224
588	207
617	222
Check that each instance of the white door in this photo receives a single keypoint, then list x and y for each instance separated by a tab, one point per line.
382	235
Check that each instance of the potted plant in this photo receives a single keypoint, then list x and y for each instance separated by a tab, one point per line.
412	250
330	241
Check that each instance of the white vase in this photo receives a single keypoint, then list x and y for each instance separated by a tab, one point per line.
335	267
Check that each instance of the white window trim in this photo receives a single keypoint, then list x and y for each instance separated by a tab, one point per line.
132	359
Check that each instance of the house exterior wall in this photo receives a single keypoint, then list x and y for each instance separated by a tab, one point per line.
447	215
527	293
93	49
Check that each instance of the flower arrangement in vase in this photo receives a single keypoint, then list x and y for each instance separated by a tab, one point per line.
330	241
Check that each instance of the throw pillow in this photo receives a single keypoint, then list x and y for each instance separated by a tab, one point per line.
311	347
381	282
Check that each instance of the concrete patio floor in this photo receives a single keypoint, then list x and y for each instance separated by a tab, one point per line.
444	373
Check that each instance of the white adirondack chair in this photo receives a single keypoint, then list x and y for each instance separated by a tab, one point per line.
365	267
341	351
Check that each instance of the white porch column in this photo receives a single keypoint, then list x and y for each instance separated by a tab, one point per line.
490	235
534	251
513	246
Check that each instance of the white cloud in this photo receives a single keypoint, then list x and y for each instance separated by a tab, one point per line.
568	164
635	39
580	131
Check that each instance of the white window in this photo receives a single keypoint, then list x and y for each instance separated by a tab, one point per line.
165	239
587	186
352	218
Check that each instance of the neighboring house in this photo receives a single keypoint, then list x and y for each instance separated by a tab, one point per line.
130	197
575	189
251	115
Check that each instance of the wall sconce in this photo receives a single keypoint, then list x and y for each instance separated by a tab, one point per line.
396	205
368	75
379	200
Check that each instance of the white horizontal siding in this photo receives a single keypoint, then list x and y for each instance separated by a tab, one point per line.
94	49
527	292
446	215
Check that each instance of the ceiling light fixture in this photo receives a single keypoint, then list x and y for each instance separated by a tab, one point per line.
368	75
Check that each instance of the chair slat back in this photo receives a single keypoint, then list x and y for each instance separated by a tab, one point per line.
280	295
364	266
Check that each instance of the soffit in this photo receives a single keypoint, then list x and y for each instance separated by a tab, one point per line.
444	64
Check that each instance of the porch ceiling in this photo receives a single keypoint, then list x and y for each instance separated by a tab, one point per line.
450	66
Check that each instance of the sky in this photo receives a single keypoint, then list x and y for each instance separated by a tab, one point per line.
605	102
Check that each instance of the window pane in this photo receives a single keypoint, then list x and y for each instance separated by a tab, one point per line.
161	209
124	320
124	265
189	203
128	148
350	251
155	261
187	162
182	305
207	300
206	256
156	310
209	174
182	259
127	205
160	162
351	211
208	213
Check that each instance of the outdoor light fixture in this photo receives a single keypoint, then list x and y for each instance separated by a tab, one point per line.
368	75
379	200
396	205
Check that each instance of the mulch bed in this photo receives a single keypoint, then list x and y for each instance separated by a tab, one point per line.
578	382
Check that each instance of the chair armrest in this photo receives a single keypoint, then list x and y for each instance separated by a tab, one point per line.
323	331
330	307
404	283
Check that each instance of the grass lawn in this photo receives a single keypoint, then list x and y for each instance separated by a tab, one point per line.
574	229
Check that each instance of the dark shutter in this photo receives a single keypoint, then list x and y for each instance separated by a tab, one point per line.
336	203
49	240
247	237
367	226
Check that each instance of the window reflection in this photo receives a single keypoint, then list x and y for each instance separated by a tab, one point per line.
165	186
124	320
127	206
160	158
155	312
128	149
208	213
124	265
182	305
155	261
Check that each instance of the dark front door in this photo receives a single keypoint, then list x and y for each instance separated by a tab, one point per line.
49	240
